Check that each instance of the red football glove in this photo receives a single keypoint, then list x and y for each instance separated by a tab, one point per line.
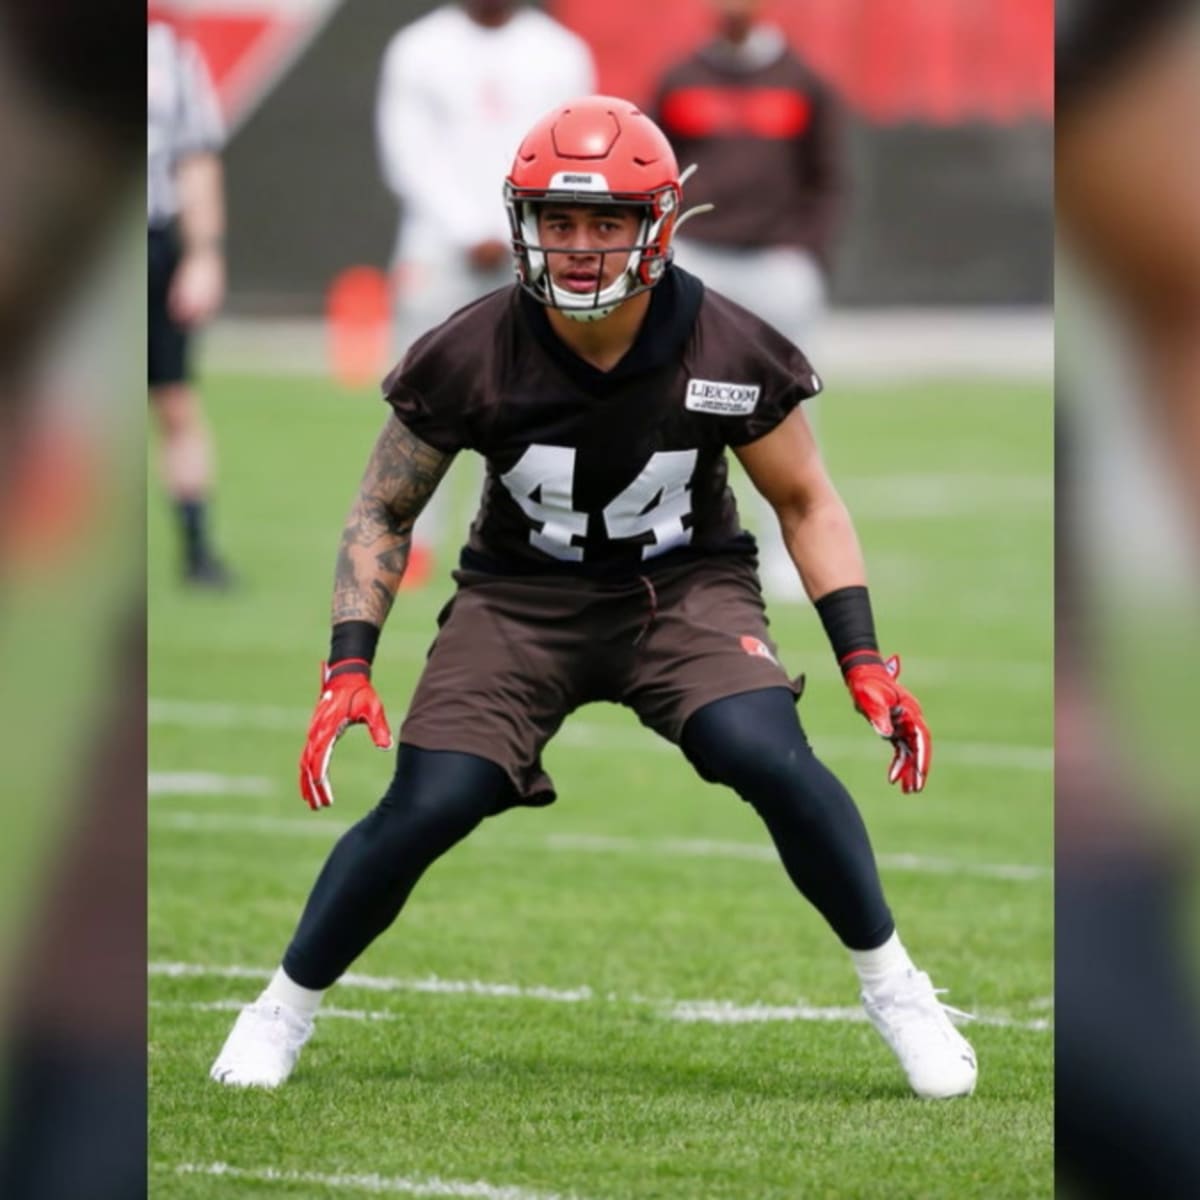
347	698
894	714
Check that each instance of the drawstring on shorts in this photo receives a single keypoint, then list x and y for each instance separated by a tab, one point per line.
653	597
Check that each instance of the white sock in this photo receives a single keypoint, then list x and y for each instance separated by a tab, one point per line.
874	966
283	990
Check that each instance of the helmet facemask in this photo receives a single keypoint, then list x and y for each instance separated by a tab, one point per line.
648	255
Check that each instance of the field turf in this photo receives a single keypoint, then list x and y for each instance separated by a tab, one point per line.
620	996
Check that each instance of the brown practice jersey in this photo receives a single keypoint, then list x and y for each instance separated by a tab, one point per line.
768	146
594	472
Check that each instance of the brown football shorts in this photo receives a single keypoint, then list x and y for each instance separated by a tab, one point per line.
514	656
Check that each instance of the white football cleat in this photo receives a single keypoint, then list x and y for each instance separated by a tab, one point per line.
263	1045
937	1059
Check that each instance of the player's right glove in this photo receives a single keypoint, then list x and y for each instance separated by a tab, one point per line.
347	698
894	714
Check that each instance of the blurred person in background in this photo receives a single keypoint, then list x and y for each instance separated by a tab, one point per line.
606	563
458	89
1128	199
186	210
765	136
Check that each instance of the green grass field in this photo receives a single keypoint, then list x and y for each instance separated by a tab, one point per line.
620	996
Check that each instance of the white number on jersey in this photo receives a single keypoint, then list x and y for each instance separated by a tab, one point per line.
655	502
549	472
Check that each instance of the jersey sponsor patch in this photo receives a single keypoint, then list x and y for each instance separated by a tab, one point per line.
721	398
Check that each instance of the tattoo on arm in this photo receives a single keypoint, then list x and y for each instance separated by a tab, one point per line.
401	475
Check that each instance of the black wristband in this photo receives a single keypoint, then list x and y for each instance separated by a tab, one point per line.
849	625
353	639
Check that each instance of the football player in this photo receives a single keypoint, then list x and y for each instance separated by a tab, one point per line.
606	562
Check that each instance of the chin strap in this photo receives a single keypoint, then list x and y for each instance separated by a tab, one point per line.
589	314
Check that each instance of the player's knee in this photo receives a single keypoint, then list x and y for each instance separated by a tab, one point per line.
178	408
407	817
770	773
754	744
751	739
441	793
789	787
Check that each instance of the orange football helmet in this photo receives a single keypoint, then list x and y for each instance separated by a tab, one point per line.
593	151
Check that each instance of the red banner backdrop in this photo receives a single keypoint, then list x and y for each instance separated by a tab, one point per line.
248	44
940	62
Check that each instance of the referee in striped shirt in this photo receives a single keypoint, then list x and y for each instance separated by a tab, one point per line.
186	216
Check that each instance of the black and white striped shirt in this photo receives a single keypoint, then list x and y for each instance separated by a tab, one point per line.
183	116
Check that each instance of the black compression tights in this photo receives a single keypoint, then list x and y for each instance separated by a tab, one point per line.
753	743
436	798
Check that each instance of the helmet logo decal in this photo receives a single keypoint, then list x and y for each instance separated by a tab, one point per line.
579	181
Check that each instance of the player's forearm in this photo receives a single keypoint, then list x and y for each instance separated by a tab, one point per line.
201	203
825	548
822	542
371	561
401	475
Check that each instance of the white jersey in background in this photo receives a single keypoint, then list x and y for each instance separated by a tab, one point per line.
182	116
455	99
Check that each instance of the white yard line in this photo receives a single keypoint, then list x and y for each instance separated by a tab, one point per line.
713	1012
318	828
380	1185
195	714
233	1005
585	735
321	828
1029	675
753	852
723	1012
1017	675
939	496
206	783
375	983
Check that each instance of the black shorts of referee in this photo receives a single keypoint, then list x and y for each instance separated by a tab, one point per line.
168	342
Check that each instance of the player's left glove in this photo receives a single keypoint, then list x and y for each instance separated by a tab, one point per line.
894	714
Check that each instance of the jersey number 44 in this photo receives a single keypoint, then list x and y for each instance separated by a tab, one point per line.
655	503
